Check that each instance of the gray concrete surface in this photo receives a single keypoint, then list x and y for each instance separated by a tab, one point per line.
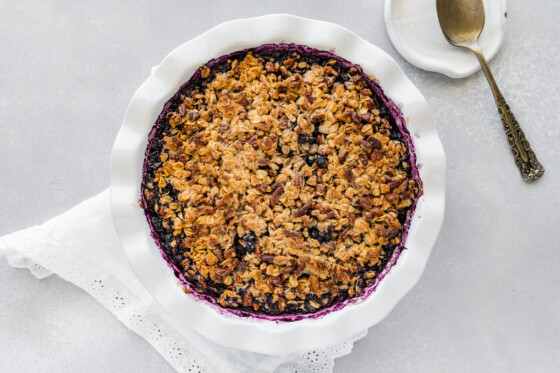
489	299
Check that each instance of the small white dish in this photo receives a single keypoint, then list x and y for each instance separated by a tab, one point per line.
183	311
413	28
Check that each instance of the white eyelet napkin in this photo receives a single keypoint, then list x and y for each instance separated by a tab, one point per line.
81	246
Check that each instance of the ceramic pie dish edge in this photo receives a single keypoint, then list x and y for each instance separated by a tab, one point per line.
142	253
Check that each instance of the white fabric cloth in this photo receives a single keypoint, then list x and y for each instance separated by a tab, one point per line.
82	247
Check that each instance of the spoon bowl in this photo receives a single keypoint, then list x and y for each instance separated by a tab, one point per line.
461	21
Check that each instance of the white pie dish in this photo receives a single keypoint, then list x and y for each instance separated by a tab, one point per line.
414	29
144	257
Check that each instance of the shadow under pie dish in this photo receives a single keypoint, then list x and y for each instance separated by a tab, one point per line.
279	182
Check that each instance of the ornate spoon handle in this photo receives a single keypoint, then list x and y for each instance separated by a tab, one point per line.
524	157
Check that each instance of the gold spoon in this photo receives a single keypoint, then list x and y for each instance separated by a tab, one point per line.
462	22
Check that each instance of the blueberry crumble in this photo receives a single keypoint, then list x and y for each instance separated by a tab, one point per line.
279	182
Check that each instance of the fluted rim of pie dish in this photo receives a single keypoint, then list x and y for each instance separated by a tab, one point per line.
247	333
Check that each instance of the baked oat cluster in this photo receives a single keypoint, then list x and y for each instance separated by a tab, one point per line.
277	183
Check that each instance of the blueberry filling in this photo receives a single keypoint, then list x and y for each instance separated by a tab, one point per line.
246	245
322	238
309	159
307	139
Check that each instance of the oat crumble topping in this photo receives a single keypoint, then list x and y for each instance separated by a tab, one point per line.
278	184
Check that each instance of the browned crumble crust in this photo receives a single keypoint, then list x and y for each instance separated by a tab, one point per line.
288	185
